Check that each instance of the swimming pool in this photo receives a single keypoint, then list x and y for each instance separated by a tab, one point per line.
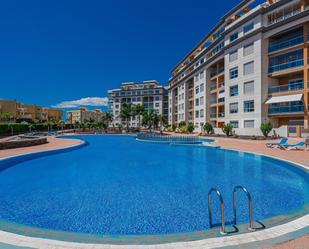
117	186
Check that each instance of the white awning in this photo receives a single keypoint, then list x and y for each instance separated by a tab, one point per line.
284	99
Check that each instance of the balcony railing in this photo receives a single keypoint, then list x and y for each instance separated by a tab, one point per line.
215	72
286	44
286	109
221	85
284	17
286	88
214	87
213	101
285	66
221	114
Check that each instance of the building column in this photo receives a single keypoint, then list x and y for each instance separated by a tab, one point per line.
306	77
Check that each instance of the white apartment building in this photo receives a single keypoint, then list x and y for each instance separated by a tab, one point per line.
149	94
252	67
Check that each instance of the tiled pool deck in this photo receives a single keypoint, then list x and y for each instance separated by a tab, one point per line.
292	235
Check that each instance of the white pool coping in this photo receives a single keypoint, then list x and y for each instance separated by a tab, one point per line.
217	242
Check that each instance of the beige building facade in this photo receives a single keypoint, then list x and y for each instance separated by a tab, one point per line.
11	110
84	115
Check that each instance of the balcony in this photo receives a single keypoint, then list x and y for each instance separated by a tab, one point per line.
287	88
213	115
286	66
290	109
221	85
215	72
214	87
281	16
213	101
285	44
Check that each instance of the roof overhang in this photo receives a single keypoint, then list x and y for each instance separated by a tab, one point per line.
284	99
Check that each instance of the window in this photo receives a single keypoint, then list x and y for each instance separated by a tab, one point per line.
248	27
249	68
157	98
196	114
234	91
233	37
249	49
249	124
201	113
249	87
201	75
197	102
196	77
157	105
233	108
234	56
234	73
197	90
234	124
201	100
202	88
117	106
249	106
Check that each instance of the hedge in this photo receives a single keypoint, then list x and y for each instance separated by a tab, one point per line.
6	128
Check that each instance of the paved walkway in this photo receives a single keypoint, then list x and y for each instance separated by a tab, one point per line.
297	156
53	143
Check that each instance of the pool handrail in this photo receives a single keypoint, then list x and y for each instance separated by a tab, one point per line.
222	230
250	227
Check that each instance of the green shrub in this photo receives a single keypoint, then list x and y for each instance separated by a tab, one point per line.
174	127
4	129
190	127
208	128
183	129
266	128
227	129
181	124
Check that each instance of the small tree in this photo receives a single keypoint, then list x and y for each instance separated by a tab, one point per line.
227	129
181	124
190	128
183	129
208	128
266	128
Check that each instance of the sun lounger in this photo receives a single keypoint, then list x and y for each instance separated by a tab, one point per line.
297	146
282	142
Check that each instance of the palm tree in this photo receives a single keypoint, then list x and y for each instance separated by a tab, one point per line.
162	120
61	124
139	111
150	118
6	116
108	118
126	114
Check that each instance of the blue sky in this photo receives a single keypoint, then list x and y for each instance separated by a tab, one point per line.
55	51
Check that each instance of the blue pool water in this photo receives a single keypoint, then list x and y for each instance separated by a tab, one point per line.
119	186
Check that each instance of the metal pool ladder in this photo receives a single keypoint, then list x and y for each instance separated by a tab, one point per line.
222	230
250	227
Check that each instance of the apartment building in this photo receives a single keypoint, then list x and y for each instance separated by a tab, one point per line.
83	115
149	94
19	112
252	67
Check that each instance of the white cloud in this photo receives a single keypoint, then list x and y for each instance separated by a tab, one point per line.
90	101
